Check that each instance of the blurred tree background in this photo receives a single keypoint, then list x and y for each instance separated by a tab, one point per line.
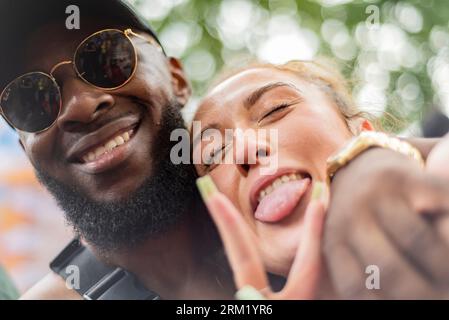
396	53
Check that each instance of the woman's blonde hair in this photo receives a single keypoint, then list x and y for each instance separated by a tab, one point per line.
323	73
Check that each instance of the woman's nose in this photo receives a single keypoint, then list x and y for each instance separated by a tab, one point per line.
249	152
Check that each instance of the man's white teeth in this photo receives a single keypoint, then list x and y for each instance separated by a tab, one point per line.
278	182
111	145
99	151
107	147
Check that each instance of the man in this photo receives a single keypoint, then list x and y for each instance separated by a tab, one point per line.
105	158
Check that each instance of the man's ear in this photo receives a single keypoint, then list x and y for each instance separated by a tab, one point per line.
181	86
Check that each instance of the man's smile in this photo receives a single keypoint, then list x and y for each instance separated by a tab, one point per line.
115	142
106	147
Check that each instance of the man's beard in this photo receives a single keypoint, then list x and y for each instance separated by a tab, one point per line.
150	211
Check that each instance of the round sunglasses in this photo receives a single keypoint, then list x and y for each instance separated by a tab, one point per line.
106	60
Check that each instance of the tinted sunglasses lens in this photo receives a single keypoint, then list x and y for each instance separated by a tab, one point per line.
106	59
31	102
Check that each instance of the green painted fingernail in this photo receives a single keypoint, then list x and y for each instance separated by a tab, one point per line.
206	186
318	190
249	293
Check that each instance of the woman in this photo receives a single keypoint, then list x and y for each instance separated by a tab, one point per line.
312	110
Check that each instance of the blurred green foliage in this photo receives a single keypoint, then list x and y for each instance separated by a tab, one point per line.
399	65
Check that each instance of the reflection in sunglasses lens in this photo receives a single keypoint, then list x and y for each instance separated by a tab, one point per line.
106	59
31	102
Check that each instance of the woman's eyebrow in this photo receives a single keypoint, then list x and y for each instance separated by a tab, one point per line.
257	94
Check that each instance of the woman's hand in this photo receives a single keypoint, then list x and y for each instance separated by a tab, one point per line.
241	247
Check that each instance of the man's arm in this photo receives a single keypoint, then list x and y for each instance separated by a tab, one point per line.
51	287
424	145
377	216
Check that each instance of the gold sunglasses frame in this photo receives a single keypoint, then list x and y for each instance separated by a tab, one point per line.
127	33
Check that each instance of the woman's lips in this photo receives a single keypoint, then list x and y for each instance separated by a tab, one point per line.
281	202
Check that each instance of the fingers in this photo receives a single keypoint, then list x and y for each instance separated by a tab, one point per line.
441	224
438	167
436	163
398	279
305	271
417	239
429	195
346	273
240	247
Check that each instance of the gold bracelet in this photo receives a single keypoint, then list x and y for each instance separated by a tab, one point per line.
366	140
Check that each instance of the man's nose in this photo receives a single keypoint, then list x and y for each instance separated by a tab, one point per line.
82	104
249	153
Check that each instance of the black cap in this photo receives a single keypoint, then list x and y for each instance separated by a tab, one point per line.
18	18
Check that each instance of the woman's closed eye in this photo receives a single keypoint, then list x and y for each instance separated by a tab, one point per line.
215	157
277	111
